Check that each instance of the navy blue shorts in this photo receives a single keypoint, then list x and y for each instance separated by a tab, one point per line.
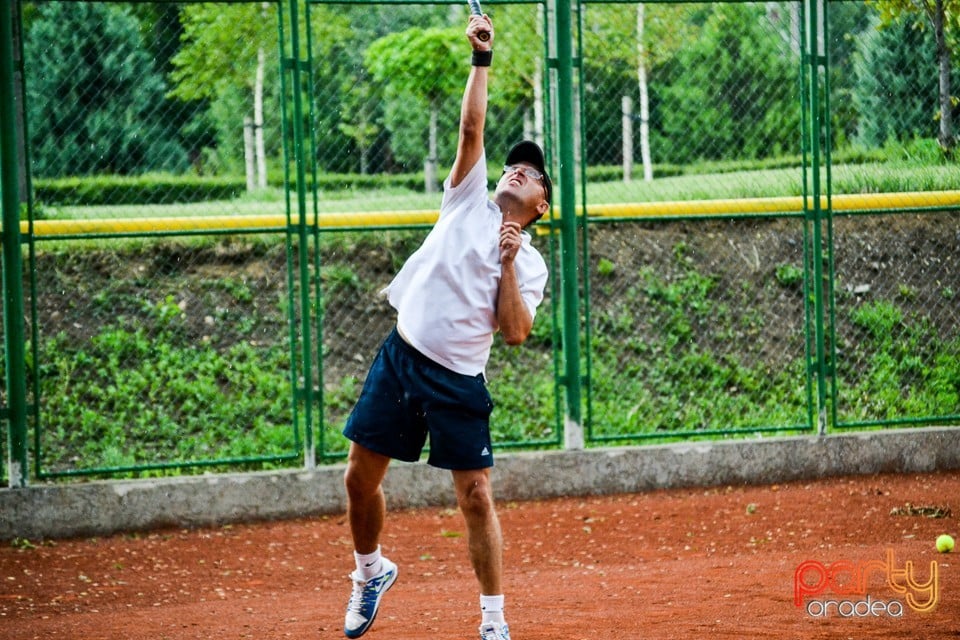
407	396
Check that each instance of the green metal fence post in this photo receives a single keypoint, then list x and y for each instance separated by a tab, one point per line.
573	427
302	231
14	331
315	440
815	44
830	352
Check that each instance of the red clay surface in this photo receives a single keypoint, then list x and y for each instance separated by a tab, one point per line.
693	563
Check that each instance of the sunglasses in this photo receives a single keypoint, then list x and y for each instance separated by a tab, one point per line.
531	173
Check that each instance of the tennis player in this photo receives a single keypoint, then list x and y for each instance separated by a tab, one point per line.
475	274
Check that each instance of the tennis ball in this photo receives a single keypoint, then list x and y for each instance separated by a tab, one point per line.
944	543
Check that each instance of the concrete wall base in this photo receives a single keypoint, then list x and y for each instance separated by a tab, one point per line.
110	506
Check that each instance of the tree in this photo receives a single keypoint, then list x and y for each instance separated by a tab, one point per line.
420	67
732	93
349	109
359	122
224	51
623	62
931	14
895	100
348	114
520	47
848	22
642	85
95	101
610	73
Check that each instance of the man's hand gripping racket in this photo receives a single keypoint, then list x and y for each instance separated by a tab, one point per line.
475	9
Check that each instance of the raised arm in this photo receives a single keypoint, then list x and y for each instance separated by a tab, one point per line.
473	108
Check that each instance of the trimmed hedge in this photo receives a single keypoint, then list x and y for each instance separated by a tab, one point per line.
170	189
146	189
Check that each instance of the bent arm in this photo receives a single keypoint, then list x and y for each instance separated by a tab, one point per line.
512	314
513	317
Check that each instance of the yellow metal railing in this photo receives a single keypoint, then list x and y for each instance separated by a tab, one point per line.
682	208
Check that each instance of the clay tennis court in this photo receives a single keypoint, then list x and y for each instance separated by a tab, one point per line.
714	562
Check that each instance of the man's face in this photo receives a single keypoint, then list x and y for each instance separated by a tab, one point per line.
524	182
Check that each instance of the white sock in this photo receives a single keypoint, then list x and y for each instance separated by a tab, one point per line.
368	564
491	608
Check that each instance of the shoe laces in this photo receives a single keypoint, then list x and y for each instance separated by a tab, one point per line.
360	596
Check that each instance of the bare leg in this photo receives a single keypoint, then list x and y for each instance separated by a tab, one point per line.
366	511
484	538
366	505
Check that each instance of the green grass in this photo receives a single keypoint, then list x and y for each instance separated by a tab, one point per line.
674	355
141	392
854	178
905	367
143	389
270	201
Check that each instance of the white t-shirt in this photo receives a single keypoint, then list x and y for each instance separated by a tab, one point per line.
446	292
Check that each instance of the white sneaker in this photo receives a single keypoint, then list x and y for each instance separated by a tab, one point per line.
365	599
494	631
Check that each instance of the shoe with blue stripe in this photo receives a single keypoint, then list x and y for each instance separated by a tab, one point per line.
365	599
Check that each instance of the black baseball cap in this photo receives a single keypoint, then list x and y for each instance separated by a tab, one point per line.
531	153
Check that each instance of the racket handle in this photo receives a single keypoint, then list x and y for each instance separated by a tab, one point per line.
475	9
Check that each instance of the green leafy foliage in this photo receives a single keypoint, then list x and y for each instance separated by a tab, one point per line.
94	97
143	88
131	397
214	71
686	363
147	189
893	99
136	378
735	87
910	369
420	71
789	275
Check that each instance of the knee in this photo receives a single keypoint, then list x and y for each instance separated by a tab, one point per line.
359	485
476	498
365	471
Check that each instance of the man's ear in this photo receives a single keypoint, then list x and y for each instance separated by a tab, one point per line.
542	208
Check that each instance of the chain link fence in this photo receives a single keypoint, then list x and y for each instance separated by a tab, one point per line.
158	344
709	327
171	289
163	352
897	329
695	321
